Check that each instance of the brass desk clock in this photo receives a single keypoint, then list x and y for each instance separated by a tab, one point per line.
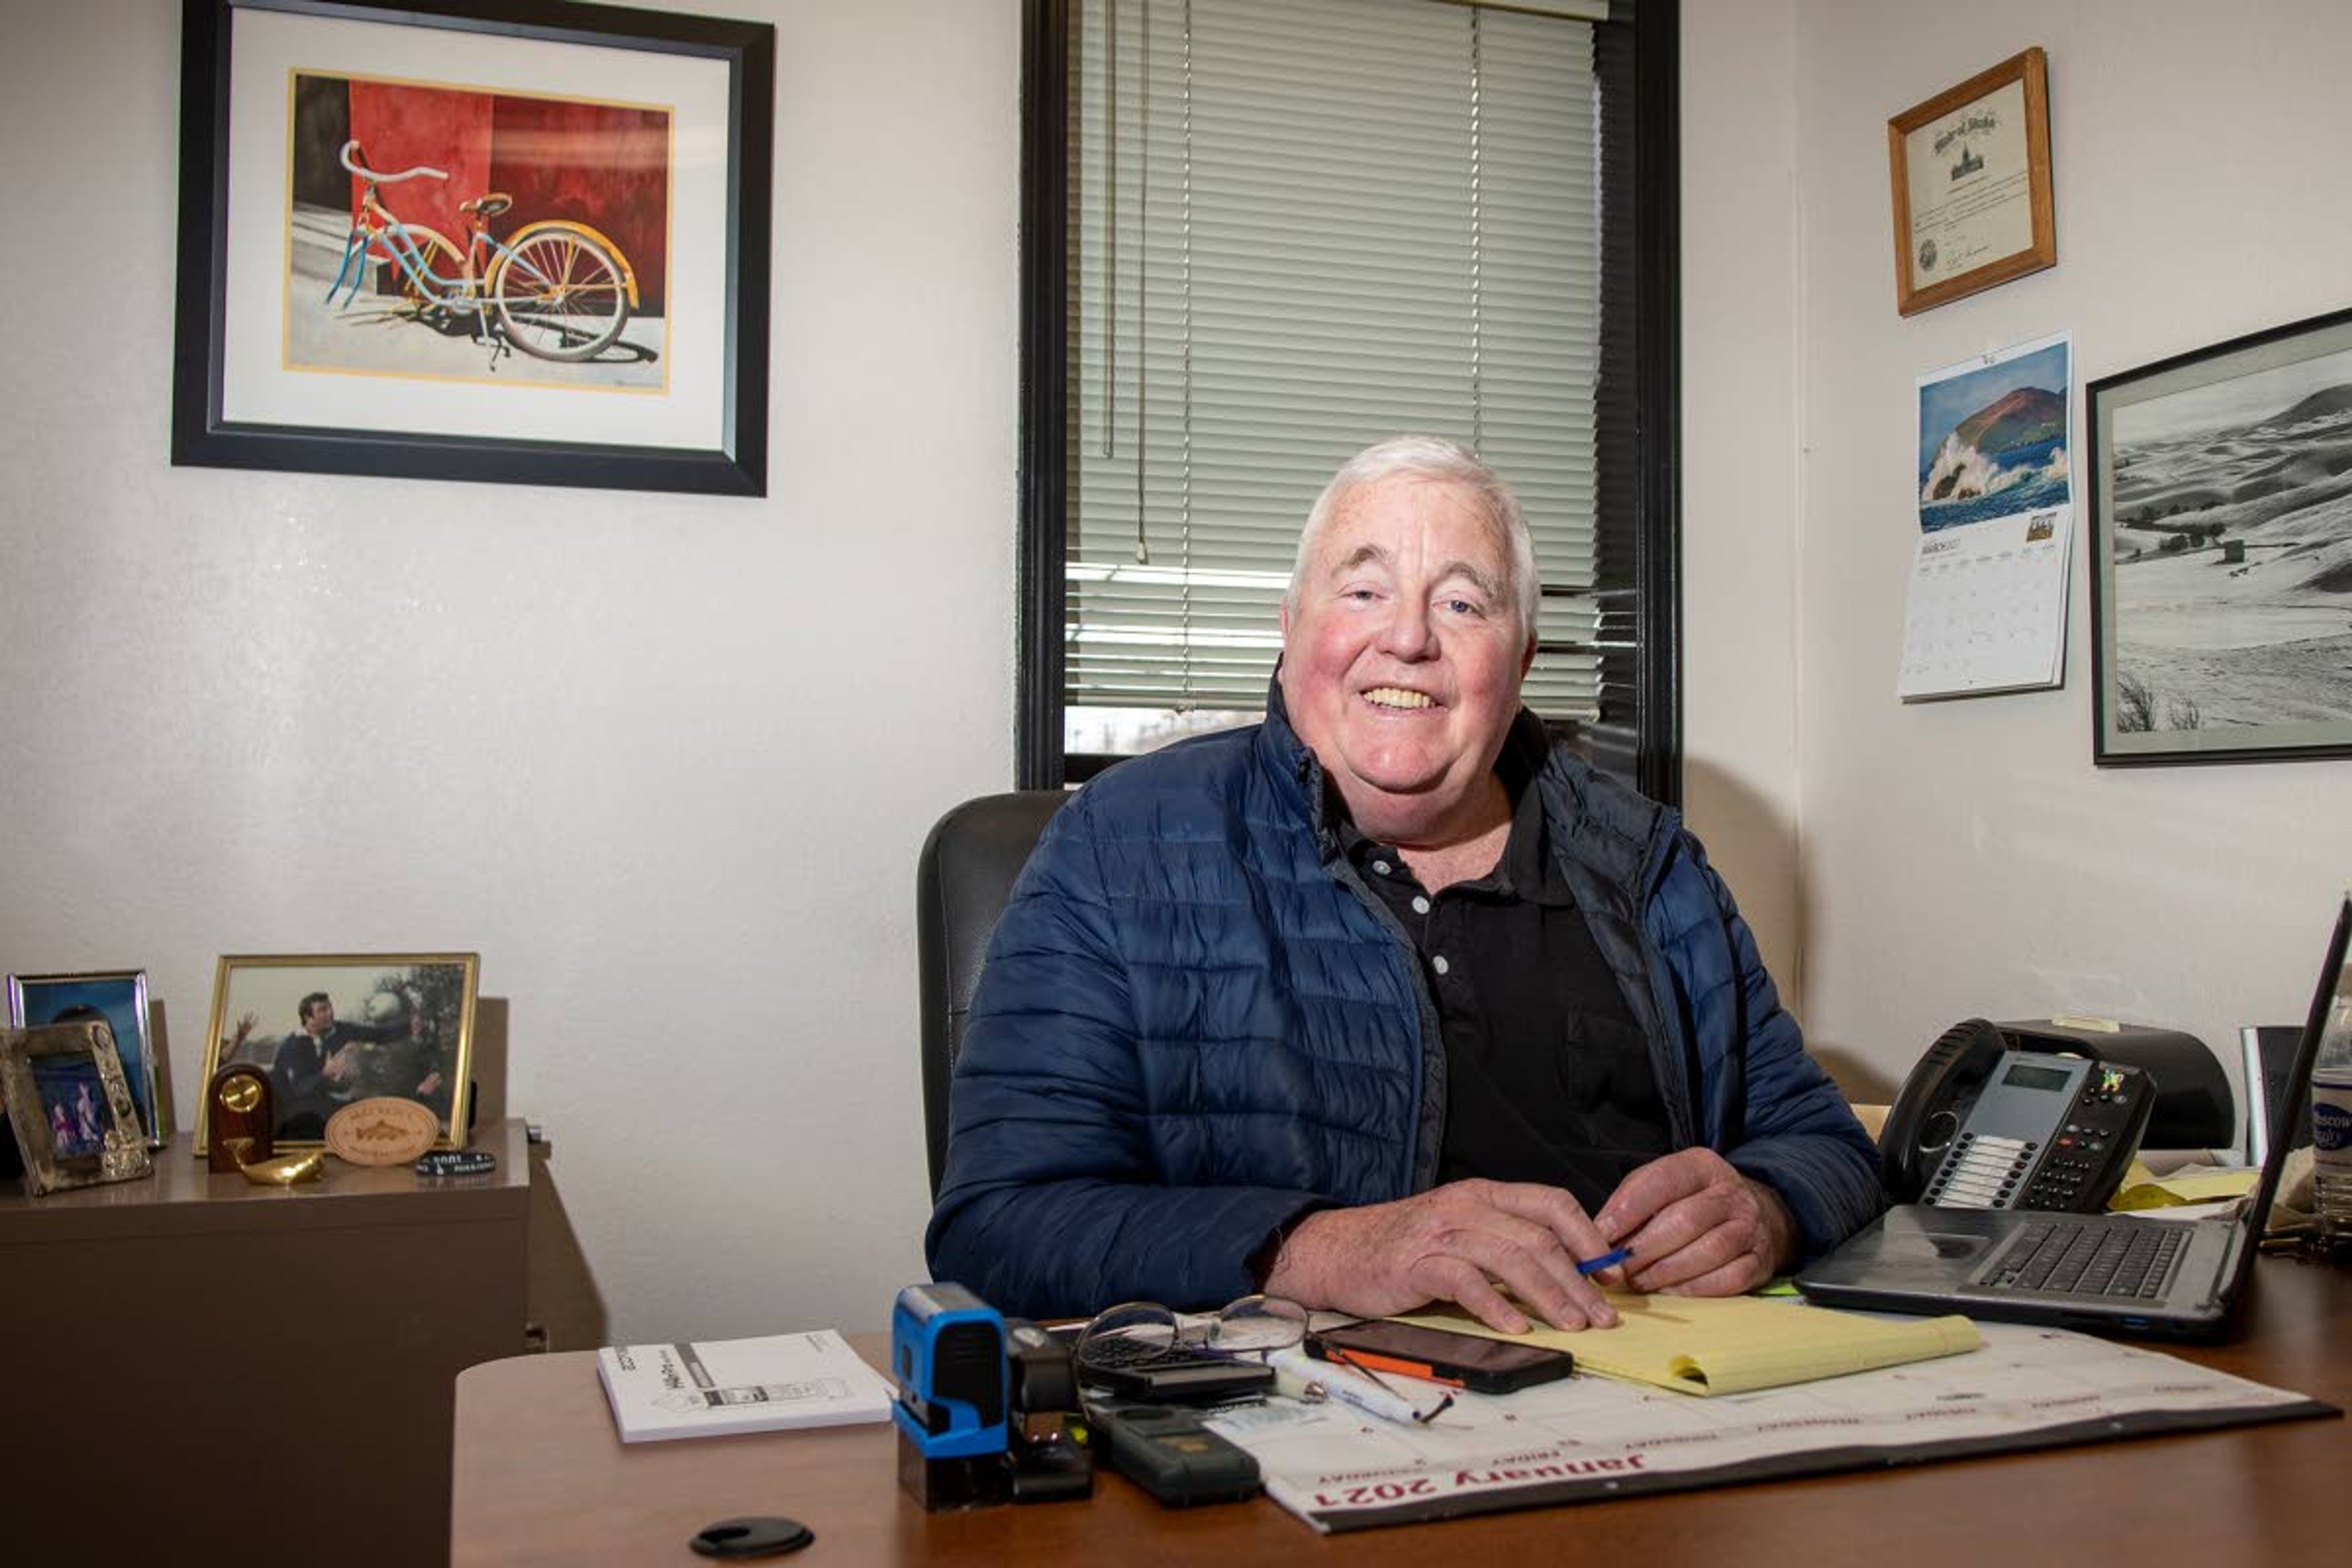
239	1112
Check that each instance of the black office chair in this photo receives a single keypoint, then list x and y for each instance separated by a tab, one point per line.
962	880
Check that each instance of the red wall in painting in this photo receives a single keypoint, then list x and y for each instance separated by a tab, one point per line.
595	163
600	165
400	127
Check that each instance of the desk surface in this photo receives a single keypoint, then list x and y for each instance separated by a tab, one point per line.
184	1197
540	1478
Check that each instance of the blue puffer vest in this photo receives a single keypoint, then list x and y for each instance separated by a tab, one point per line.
1196	1023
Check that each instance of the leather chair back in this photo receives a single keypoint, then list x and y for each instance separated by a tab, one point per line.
965	873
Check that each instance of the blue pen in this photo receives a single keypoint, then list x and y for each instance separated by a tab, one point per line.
1606	1261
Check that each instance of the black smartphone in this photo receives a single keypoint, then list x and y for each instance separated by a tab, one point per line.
1481	1365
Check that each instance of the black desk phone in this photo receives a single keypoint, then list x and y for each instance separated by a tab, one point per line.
1981	1124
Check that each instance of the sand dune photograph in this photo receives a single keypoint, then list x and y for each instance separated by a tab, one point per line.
2223	541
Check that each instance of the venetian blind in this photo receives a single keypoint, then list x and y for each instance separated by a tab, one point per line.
1298	226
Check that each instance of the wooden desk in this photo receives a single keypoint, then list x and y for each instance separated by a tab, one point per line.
203	1370
541	1478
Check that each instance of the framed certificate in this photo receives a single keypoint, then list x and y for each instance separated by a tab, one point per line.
1970	169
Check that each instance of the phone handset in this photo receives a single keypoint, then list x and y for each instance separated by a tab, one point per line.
1926	1117
1981	1124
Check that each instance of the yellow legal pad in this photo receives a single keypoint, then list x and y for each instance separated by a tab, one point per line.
1734	1345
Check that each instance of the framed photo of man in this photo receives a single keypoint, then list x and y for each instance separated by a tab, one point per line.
333	1029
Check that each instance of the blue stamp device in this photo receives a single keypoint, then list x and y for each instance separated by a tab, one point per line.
947	1354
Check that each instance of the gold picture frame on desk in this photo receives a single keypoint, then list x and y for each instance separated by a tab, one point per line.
69	1107
329	1029
1970	172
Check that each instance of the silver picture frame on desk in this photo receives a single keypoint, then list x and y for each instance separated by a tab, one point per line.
119	997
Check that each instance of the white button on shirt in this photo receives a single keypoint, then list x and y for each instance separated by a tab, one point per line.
1439	963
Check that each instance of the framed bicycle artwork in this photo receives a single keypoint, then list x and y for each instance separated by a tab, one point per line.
510	240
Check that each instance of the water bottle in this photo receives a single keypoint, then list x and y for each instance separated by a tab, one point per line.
2331	1117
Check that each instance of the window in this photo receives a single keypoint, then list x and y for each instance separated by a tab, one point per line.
1261	234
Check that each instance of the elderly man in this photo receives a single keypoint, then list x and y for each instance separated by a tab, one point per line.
1385	1000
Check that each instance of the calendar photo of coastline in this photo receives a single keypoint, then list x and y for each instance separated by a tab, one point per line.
1992	437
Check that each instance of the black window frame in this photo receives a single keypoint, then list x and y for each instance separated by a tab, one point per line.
1637	416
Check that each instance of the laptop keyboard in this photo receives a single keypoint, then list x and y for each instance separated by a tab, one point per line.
2127	1262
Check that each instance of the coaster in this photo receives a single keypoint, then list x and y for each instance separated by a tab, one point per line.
384	1130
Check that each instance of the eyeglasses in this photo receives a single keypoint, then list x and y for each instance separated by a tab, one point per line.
1145	1334
1137	1333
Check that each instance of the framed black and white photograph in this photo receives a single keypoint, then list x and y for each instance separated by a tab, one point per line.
69	1108
510	240
333	1029
119	996
2221	551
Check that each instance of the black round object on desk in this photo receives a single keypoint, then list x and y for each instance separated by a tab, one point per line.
759	1535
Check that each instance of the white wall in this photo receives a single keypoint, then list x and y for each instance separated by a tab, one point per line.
1966	857
664	762
1740	470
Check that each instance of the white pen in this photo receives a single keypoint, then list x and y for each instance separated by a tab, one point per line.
1298	1374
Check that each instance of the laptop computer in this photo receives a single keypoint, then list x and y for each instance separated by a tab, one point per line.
2116	1272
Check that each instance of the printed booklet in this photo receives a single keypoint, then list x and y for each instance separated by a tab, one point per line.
740	1385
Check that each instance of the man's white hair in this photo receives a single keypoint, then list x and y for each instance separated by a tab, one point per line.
1440	461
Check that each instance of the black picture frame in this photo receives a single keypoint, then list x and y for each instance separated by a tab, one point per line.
2220	508
729	382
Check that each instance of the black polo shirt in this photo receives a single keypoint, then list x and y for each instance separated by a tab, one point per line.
1547	1076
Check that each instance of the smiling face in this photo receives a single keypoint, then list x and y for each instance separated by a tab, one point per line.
1402	658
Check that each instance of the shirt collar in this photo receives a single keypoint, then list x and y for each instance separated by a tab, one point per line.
1524	870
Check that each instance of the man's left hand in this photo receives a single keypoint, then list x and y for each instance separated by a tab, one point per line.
1697	1228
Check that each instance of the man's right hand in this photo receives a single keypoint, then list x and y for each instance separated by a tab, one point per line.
1465	1242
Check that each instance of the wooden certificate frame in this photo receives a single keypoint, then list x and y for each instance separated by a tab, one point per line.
1970	175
